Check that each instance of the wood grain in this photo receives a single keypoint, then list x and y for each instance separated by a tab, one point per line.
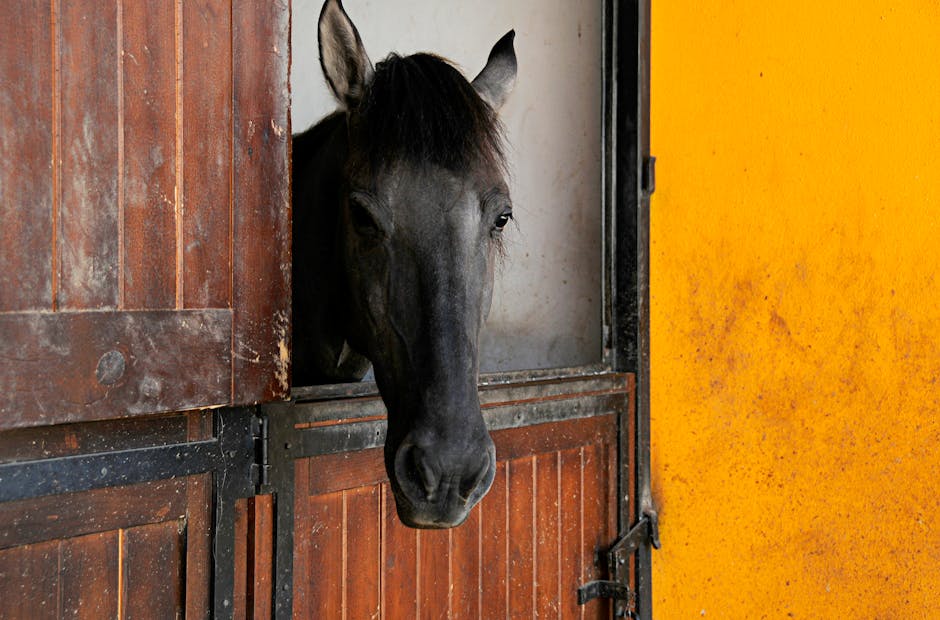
206	206
148	61
261	349
89	576
26	200
49	364
88	235
153	571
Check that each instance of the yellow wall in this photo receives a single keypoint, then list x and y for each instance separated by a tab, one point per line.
796	308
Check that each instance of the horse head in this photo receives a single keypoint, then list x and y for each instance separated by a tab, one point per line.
422	202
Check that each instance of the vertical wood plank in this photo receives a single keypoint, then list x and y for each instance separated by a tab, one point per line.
400	565
89	576
596	515
88	233
522	560
570	532
495	574
198	533
26	179
29	582
363	582
466	568
322	589
148	60
261	348
207	145
262	566
153	573
434	573
243	555
548	573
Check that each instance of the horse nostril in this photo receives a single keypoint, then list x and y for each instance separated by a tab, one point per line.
427	473
469	485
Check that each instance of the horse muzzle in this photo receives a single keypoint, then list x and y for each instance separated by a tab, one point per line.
435	486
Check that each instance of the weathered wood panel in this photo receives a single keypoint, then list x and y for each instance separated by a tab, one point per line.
261	202
88	235
522	554
67	367
206	208
26	73
129	552
149	154
143	143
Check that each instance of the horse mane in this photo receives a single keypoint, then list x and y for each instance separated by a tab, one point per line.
420	108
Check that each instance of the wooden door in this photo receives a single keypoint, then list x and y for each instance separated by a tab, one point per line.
540	534
145	208
144	261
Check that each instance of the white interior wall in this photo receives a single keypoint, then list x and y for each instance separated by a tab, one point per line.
547	305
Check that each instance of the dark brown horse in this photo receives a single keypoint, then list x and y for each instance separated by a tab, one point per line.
399	202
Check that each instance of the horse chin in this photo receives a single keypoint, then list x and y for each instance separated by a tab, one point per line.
432	516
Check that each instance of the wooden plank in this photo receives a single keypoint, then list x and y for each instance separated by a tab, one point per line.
153	575
29	582
494	515
400	563
346	470
148	61
570	532
548	557
198	538
260	581
542	438
78	366
466	568
32	443
243	555
261	358
595	537
88	235
321	592
89	576
26	221
433	573
61	516
522	552
363	564
207	148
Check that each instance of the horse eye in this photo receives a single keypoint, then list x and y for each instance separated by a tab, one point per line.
501	221
362	220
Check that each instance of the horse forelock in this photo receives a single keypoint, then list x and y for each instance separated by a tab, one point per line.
421	109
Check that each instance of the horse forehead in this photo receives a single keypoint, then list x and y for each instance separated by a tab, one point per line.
434	199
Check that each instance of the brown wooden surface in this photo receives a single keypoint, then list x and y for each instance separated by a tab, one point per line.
49	364
145	167
522	554
26	73
128	552
207	145
261	220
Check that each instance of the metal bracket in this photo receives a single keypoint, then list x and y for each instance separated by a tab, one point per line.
261	468
645	532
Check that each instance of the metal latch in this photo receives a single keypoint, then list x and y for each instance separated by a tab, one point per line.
645	532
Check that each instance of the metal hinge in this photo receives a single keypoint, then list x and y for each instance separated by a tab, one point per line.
261	468
645	532
649	175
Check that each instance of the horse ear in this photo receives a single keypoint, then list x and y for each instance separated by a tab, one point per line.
343	57
498	77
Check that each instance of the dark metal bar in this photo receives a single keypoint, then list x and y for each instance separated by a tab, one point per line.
70	474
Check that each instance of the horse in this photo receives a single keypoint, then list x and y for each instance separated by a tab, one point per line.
399	203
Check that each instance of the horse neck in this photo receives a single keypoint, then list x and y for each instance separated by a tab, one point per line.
319	301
